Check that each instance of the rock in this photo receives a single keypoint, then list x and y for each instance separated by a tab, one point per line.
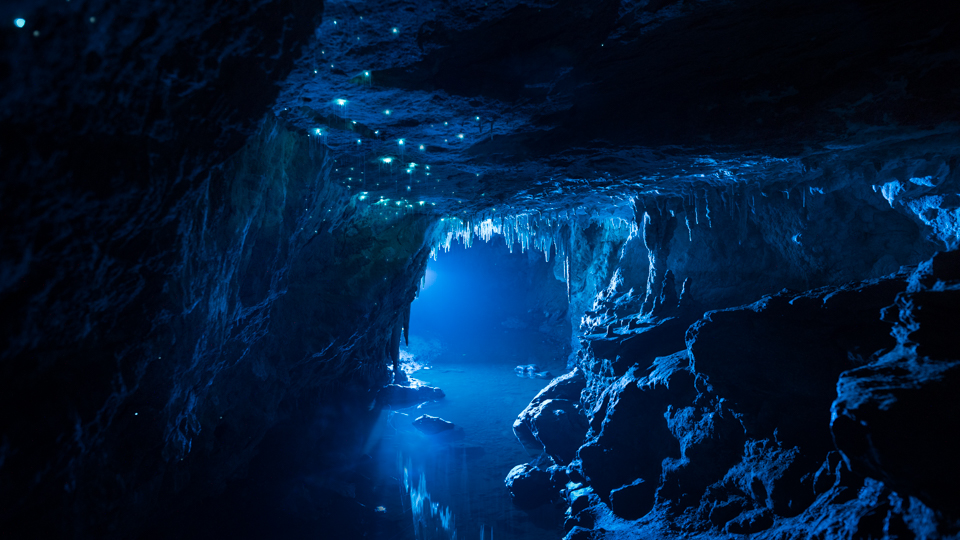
531	371
751	522
582	533
630	433
395	395
777	360
431	425
890	417
566	388
559	425
633	500
529	486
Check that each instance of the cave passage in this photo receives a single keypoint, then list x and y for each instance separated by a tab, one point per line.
481	313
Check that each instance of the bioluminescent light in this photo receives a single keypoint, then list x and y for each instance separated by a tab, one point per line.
387	112
421	147
358	141
412	165
318	132
395	30
20	22
366	73
387	160
341	102
478	118
460	135
400	142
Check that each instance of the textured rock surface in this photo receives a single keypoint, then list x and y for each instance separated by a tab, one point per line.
733	434
431	425
909	394
207	258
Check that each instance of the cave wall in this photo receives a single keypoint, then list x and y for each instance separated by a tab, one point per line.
797	414
179	275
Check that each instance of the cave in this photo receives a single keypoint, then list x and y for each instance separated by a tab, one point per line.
431	269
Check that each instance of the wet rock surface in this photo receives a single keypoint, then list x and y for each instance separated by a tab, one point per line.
432	425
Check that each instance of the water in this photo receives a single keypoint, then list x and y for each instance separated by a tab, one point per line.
480	317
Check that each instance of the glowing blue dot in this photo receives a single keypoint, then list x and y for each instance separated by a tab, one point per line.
400	142
19	22
421	147
395	30
341	102
387	112
358	141
478	118
366	73
460	136
388	160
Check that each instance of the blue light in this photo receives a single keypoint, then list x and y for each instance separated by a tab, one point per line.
400	142
395	30
341	102
388	160
318	131
387	112
19	22
460	136
366	73
421	147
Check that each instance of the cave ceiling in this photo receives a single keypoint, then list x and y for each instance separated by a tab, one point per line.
546	105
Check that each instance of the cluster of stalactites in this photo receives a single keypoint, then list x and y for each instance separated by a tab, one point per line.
543	232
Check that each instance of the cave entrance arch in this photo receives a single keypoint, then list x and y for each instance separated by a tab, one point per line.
490	328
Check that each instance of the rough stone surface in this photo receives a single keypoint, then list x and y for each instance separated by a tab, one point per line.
529	486
432	425
907	394
203	275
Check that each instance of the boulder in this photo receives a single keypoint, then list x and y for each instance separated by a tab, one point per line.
529	486
431	425
565	390
631	437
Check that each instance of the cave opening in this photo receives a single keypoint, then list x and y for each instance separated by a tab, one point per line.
490	328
